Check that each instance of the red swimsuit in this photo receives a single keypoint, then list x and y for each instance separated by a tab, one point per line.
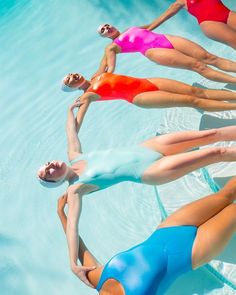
111	86
208	10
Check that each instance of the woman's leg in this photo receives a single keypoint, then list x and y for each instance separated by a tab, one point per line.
231	22
213	236
174	86
179	142
215	217
174	58
164	99
196	51
202	210
220	32
172	167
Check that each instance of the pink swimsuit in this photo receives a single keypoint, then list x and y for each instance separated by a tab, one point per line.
140	40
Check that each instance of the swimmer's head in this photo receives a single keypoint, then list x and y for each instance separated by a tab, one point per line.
107	30
72	82
52	174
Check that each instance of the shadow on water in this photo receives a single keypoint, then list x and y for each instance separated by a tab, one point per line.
209	122
9	6
230	86
126	4
228	255
128	7
6	241
200	282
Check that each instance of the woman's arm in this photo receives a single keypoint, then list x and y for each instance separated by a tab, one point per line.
171	11
73	125
61	203
108	62
84	102
111	52
102	67
74	200
85	256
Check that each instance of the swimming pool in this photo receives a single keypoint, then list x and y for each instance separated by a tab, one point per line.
40	42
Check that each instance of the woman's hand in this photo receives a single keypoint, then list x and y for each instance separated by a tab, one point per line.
61	203
84	99
81	273
76	104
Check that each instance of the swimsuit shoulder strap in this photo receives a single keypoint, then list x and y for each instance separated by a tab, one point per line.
76	159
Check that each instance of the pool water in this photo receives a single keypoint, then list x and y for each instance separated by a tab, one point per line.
41	41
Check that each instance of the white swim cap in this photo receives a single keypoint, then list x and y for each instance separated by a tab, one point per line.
99	29
67	88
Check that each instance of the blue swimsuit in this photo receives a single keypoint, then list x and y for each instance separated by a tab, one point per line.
109	167
151	267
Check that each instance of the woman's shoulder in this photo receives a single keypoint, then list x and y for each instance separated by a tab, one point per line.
89	95
74	157
181	3
81	188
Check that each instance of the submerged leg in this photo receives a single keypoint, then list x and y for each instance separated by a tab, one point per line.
213	236
231	22
164	99
175	58
178	142
220	32
174	86
172	167
202	210
196	51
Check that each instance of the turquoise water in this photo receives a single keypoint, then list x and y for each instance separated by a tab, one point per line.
40	42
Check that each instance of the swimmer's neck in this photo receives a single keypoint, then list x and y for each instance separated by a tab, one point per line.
113	37
85	85
70	174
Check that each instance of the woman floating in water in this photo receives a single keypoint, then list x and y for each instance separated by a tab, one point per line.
149	93
155	161
216	20
165	50
186	240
